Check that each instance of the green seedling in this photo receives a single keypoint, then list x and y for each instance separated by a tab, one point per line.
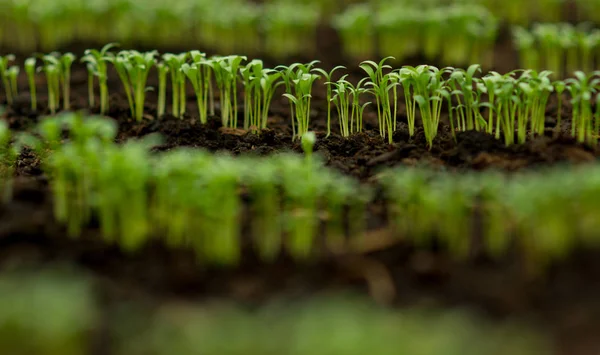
30	64
96	65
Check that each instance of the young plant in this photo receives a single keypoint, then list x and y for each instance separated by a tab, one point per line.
559	88
328	82
133	68
66	60
174	63
226	75
162	88
259	86
13	74
52	69
200	75
380	85
9	153
582	88
4	74
30	64
301	97
428	91
96	65
467	94
289	74
346	99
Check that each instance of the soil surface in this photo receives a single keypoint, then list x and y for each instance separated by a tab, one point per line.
565	301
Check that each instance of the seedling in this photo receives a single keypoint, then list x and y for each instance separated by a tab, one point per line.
66	60
8	156
174	63
380	85
96	65
200	75
259	87
299	82
162	88
52	69
30	64
6	81
328	82
226	75
133	68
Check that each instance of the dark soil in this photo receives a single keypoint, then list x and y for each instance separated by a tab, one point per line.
566	301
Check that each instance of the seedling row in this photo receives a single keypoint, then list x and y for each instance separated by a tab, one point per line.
510	106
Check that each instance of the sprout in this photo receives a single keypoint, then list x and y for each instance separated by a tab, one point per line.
429	90
162	88
13	73
52	69
328	77
380	85
66	60
8	157
4	74
199	74
299	82
259	87
174	63
559	88
348	105
30	70
133	68
96	65
582	88
226	75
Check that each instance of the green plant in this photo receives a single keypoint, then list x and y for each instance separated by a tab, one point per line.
380	85
298	82
174	63
327	76
464	85
226	76
582	88
429	90
96	65
199	74
30	64
559	88
66	60
162	88
8	157
347	102
259	87
52	69
9	91
133	68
